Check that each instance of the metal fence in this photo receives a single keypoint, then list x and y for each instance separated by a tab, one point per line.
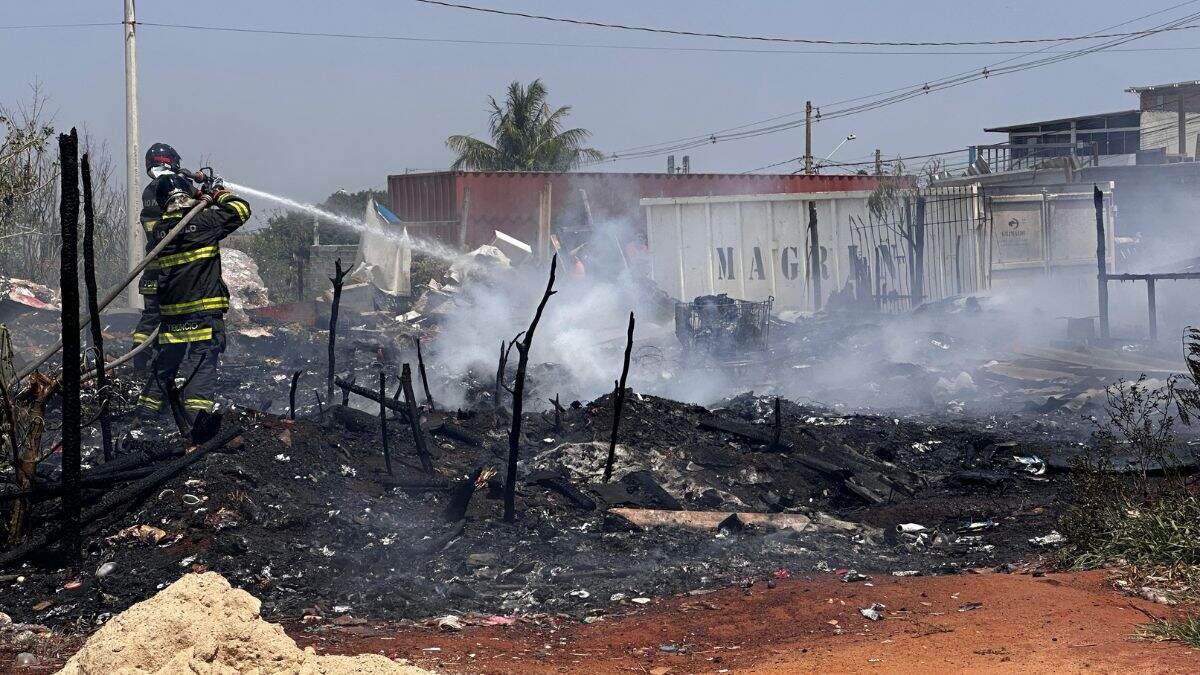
1001	157
921	245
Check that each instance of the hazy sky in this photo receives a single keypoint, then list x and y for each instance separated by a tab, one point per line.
305	115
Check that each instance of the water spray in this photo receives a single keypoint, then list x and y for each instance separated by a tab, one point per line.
425	246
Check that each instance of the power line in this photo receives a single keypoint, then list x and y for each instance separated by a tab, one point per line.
577	45
760	38
891	97
34	27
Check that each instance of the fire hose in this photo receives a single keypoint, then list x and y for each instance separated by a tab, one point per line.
205	201
127	356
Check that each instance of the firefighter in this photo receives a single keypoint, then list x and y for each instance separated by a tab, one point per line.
192	298
162	163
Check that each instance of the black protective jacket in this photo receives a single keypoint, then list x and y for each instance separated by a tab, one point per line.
151	214
189	268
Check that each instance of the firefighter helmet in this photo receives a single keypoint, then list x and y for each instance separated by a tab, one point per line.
161	154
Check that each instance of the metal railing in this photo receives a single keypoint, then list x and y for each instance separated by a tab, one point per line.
922	245
1001	157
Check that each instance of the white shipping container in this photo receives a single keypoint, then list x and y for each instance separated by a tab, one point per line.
751	246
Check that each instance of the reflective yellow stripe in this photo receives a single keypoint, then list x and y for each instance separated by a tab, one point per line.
148	402
193	255
242	212
199	404
184	336
203	304
139	338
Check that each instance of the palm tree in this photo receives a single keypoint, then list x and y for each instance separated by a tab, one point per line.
526	136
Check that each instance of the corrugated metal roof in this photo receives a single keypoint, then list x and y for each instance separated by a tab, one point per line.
1010	127
1169	85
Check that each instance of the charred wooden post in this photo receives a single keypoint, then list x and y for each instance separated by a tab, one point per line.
814	255
618	404
1101	260
320	404
387	451
558	411
68	279
346	390
522	343
292	395
414	418
93	301
499	379
778	424
338	279
348	387
421	370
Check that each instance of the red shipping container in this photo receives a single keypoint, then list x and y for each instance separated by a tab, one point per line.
509	201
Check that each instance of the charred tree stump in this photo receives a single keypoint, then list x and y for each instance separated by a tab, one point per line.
522	343
778	424
387	451
618	403
414	417
292	395
346	391
421	370
500	369
68	147
460	496
25	460
338	279
558	411
93	301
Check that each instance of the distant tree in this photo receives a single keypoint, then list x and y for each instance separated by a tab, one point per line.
30	232
281	247
527	135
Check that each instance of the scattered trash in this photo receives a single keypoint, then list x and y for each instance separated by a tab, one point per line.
906	573
1031	464
1157	595
25	660
146	533
106	569
874	612
850	576
910	528
968	606
978	526
640	601
1052	539
450	622
783	573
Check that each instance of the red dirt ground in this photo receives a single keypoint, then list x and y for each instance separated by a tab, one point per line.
1059	623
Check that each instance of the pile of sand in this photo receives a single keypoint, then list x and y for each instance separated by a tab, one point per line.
200	625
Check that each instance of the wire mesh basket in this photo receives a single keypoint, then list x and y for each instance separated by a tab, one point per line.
723	326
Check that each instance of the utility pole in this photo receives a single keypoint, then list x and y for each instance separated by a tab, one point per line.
807	137
133	202
878	163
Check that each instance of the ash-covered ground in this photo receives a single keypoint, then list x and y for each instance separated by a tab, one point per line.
917	428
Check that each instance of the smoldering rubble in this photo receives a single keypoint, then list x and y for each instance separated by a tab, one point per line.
850	443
